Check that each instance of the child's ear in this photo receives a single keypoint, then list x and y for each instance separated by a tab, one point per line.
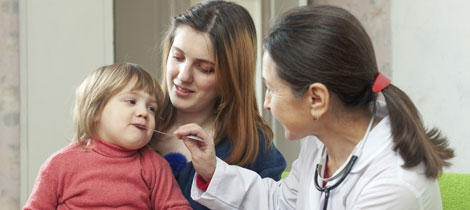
319	99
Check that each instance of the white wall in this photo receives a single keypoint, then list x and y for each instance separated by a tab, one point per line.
60	43
139	27
431	62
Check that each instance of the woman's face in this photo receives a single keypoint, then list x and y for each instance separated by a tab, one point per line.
190	71
293	113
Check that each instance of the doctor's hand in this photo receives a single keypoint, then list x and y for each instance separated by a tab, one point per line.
202	153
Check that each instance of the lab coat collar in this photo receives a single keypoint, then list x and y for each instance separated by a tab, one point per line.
378	141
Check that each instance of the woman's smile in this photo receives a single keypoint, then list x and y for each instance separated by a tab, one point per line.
192	87
180	91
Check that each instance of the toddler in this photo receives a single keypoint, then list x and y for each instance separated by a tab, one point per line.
109	165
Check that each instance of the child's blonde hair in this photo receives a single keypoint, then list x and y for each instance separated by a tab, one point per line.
102	84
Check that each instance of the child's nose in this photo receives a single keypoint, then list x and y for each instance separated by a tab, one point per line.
142	111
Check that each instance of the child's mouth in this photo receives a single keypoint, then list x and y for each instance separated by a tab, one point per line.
141	127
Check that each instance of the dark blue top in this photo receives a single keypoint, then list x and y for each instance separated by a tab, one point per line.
269	163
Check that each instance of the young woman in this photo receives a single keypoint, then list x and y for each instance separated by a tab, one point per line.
323	82
209	70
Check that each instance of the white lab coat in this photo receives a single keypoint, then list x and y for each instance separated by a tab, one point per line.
377	181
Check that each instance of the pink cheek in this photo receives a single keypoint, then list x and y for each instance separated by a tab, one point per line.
205	84
171	71
171	75
210	87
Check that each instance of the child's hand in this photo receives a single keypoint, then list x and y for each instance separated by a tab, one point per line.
202	153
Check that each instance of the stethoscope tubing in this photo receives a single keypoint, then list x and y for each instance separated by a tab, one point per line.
348	167
327	189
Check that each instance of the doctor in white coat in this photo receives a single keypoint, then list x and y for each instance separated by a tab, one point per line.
322	83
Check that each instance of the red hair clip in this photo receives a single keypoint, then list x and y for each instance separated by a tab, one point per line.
381	82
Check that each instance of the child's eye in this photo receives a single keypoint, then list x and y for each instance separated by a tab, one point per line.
151	108
131	101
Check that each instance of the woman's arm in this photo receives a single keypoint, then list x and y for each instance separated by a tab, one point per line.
234	187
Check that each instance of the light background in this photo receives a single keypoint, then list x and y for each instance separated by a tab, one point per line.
47	47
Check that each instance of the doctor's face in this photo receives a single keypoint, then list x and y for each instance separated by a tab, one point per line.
190	71
293	113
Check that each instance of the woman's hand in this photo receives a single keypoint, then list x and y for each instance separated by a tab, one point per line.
202	153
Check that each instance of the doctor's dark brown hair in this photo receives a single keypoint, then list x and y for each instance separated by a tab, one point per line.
328	45
233	37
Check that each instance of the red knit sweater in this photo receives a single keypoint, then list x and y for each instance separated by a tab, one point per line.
105	177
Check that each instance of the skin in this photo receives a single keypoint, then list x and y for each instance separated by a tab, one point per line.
191	85
122	114
190	71
294	114
316	113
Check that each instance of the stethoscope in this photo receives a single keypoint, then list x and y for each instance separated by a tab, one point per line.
345	171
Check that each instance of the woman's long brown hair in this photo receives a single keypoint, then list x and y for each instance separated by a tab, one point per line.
233	37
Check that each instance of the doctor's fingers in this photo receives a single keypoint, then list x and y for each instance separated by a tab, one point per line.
199	150
204	159
195	147
191	129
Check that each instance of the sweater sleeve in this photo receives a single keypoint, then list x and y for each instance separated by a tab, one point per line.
165	192
45	191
